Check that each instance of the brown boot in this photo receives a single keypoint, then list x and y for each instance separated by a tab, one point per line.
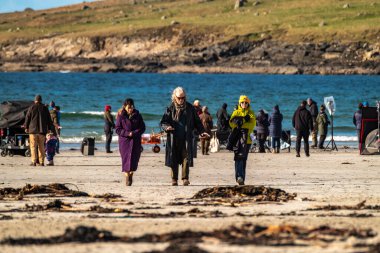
129	179
186	182
174	182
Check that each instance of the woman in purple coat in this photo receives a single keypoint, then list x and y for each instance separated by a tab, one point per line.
129	127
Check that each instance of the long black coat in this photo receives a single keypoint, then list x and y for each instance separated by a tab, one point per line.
275	121
192	123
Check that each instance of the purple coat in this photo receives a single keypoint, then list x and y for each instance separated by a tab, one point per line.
130	147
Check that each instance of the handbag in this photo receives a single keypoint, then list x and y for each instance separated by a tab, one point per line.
214	145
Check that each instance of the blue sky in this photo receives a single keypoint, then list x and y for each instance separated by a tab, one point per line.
20	5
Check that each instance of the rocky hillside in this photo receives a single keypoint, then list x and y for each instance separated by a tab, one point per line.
195	36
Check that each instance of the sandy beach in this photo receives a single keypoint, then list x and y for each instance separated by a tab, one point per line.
152	206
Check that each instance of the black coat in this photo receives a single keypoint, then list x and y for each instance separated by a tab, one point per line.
302	120
192	123
223	118
262	123
38	120
275	121
314	110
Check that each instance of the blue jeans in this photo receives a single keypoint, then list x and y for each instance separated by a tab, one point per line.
240	165
276	142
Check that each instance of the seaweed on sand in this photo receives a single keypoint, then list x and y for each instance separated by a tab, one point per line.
55	189
246	234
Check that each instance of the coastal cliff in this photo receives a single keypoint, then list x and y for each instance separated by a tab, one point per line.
178	47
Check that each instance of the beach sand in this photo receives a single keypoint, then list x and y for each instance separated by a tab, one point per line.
335	178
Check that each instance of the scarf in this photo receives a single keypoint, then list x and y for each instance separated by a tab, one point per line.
179	110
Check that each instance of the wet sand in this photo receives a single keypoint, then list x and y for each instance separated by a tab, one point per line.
335	178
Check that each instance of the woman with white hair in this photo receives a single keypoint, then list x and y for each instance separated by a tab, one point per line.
179	121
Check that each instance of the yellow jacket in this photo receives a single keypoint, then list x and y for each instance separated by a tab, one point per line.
240	112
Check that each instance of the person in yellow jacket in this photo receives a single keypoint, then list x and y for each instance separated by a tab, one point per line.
242	122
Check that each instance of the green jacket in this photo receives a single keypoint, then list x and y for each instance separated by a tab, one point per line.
323	122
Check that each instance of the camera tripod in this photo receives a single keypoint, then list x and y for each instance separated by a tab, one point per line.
331	141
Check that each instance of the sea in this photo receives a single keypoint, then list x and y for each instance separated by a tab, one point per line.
82	97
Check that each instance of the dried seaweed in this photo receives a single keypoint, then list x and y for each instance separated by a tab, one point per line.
5	217
359	206
107	196
234	196
100	209
247	234
51	189
183	248
260	193
55	205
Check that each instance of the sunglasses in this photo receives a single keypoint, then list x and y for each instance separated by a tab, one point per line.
246	103
181	98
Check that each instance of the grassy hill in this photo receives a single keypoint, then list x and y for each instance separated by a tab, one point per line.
287	20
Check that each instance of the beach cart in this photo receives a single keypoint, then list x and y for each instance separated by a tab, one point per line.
153	139
13	138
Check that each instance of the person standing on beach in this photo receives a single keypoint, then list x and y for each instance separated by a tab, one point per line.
275	128
37	124
322	122
223	118
357	120
262	129
303	124
313	108
129	127
109	125
179	122
206	120
242	122
55	117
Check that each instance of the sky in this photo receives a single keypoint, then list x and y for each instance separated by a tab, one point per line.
20	5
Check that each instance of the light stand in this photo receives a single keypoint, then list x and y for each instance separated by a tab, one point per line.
331	141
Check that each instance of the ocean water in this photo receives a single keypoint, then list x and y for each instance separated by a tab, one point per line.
82	96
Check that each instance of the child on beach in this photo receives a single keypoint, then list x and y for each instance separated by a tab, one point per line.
50	146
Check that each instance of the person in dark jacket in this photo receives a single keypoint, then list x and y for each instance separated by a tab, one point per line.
37	124
357	120
54	114
303	124
129	127
323	123
223	118
179	122
313	108
275	128
262	128
206	120
109	125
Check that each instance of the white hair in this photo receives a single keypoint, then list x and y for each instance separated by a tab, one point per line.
178	90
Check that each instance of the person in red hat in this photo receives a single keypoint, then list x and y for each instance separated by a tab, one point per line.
109	125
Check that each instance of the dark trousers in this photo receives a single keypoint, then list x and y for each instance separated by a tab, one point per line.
57	147
322	139
184	162
276	143
108	141
358	134
302	134
205	145
241	164
262	139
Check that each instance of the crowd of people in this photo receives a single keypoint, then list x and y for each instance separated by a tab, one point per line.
185	124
